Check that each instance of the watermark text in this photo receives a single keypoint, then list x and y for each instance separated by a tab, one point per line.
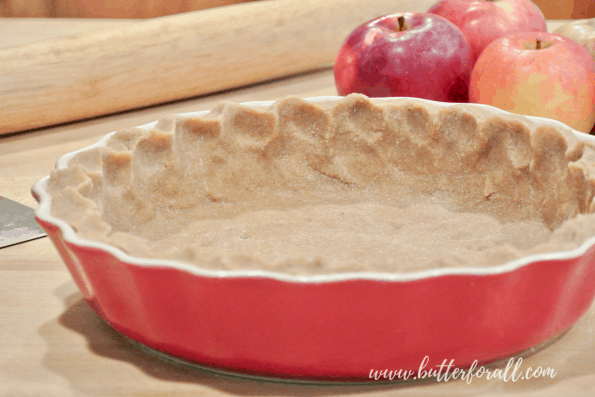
447	371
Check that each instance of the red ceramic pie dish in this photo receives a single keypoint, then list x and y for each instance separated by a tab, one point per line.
326	327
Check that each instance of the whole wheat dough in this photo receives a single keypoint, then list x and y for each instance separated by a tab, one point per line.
352	185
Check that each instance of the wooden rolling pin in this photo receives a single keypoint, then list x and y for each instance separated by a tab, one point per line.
175	57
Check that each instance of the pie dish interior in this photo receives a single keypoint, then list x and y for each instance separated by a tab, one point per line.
354	185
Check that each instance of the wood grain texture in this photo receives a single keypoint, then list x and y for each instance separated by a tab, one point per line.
552	9
132	9
52	344
25	8
175	57
105	8
566	9
20	31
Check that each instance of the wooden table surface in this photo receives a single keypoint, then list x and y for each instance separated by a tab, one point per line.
53	344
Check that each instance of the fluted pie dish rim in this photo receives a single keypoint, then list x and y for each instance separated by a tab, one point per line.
281	325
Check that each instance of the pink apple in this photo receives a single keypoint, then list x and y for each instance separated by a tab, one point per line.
556	81
582	31
483	21
427	57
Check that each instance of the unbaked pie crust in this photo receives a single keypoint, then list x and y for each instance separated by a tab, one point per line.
352	185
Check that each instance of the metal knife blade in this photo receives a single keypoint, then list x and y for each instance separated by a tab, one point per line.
17	223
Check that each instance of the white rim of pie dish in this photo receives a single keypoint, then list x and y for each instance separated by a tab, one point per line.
43	212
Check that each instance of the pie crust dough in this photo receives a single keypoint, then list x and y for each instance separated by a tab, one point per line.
357	184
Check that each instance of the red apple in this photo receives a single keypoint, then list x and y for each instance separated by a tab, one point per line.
422	55
483	21
556	81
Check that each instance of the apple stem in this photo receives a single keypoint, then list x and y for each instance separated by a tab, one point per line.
538	44
401	23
